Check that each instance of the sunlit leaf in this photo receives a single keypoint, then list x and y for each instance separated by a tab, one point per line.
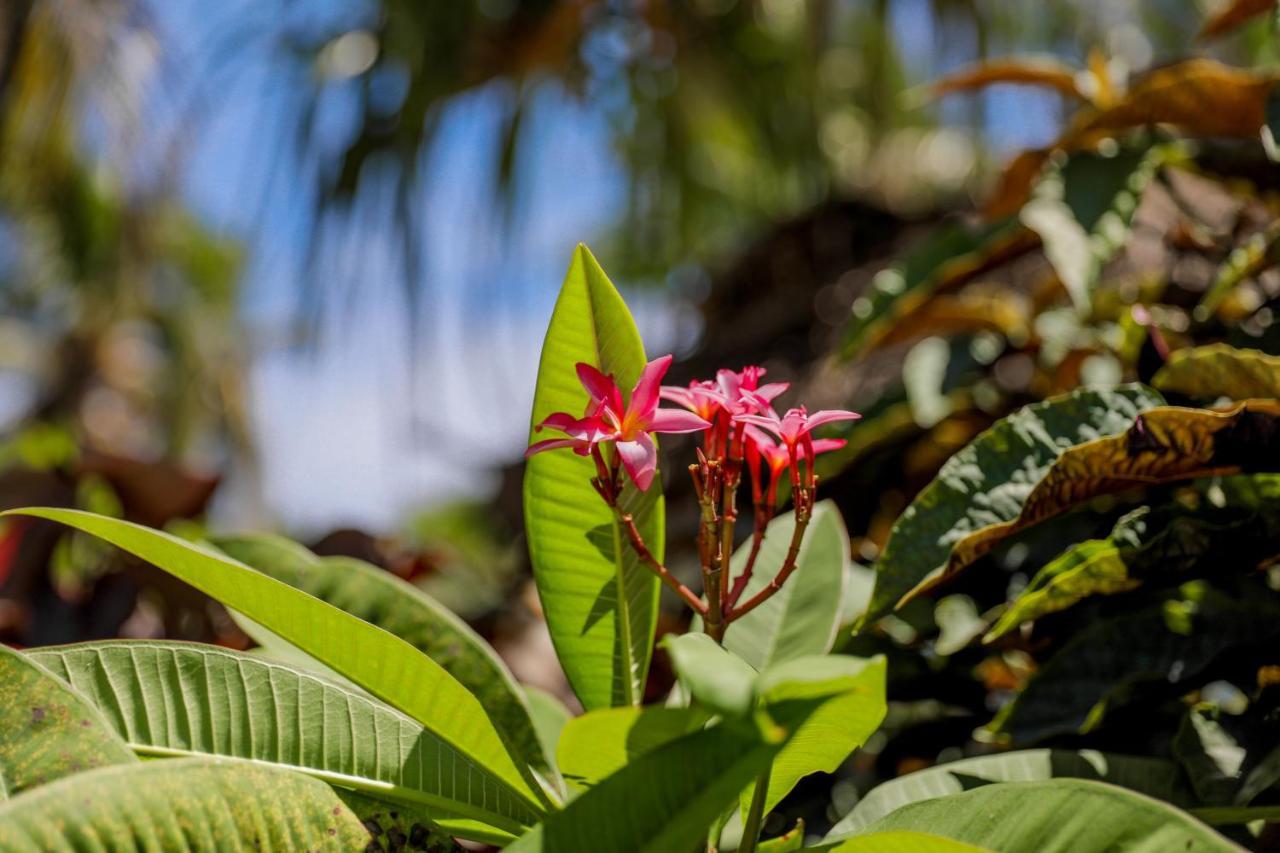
382	599
1028	71
1154	777
1219	370
1210	755
976	309
600	743
1169	641
398	826
1230	14
787	842
47	729
1163	445
601	602
990	480
549	716
189	804
372	658
902	841
1082	210
711	674
1060	814
949	257
182	699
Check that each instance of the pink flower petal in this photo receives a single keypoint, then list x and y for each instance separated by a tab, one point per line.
828	416
677	395
771	391
675	420
549	444
644	399
562	421
769	424
601	388
825	445
639	459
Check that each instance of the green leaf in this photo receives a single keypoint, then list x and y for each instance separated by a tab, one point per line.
664	800
47	730
1169	641
803	617
1151	776
788	842
1060	814
831	734
1210	755
1219	370
713	676
989	481
902	841
179	699
549	716
600	743
949	256
1082	209
1255	254
191	804
600	601
393	825
376	660
382	599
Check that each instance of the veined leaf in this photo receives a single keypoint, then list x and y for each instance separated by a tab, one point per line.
1045	71
832	732
1082	210
181	699
192	804
394	605
801	618
990	480
712	675
1219	370
902	841
1169	641
601	602
47	730
393	825
374	659
1151	776
1231	14
1057	815
600	743
948	258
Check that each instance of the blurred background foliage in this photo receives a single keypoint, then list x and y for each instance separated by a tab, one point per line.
202	202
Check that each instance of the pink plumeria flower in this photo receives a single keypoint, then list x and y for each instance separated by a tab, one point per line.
701	397
761	447
742	392
630	428
793	428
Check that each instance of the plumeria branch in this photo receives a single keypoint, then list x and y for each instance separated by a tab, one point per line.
803	512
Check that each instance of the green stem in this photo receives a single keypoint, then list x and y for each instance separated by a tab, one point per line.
755	815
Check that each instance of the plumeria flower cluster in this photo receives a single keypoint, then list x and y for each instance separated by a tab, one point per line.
740	427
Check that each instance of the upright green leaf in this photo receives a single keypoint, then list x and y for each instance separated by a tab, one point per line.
376	660
988	482
549	716
394	605
1219	370
601	602
902	841
600	743
191	804
1057	815
713	675
47	730
801	618
185	699
1154	777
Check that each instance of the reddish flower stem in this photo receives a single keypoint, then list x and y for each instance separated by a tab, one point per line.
664	574
803	510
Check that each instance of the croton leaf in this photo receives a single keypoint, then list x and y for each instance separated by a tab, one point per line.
989	481
1171	640
1163	445
47	729
1256	253
1219	370
600	601
1154	777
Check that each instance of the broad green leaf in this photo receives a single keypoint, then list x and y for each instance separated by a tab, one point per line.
1157	543
1151	776
47	730
711	674
902	841
180	699
989	481
1169	641
1056	815
394	825
549	716
600	601
1219	370
801	618
950	256
380	598
1082	209
190	804
831	734
600	743
376	660
664	800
